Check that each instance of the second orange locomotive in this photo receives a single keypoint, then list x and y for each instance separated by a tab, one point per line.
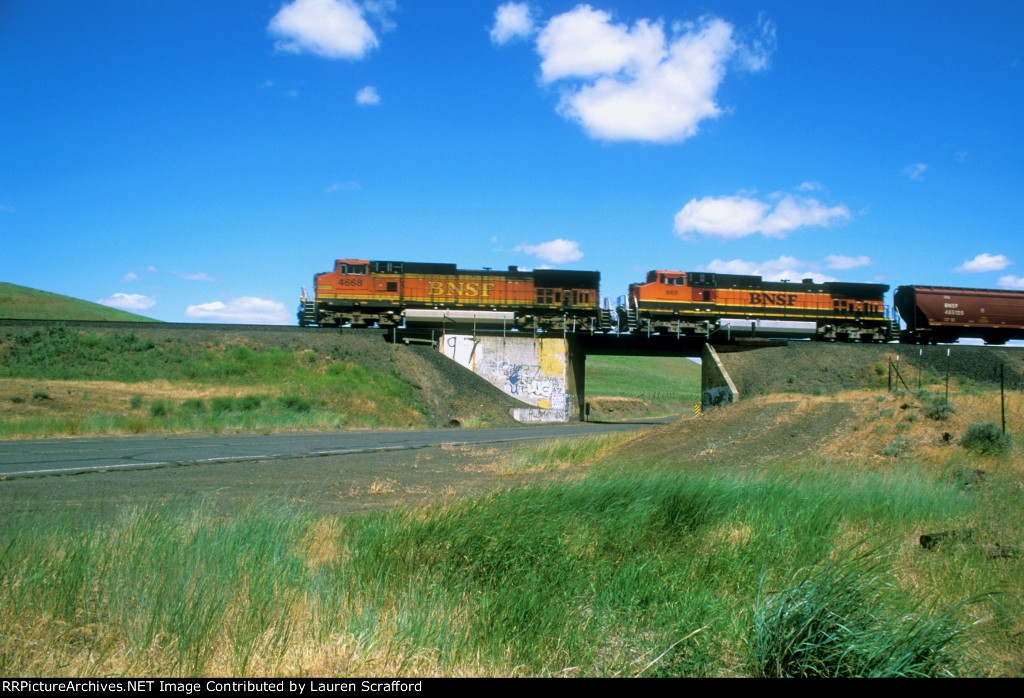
704	303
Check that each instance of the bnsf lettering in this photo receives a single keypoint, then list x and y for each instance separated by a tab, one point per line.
465	289
773	299
951	305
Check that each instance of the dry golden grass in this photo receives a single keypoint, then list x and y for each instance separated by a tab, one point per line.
930	441
321	544
82	397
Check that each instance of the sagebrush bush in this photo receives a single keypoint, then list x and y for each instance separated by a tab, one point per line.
898	447
936	407
986	438
160	408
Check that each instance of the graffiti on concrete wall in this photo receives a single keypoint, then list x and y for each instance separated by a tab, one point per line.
533	371
529	383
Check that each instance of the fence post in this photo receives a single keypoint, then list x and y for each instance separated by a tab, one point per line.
947	374
1002	396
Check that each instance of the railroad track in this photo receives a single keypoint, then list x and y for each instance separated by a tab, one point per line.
120	325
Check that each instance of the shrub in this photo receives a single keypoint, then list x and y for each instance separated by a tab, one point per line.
296	404
17	399
985	438
937	408
194	406
898	447
882	414
160	408
135	401
219	405
250	403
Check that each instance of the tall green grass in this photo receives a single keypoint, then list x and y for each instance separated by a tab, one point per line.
621	574
846	618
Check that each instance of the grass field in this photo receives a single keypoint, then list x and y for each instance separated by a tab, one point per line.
631	566
642	385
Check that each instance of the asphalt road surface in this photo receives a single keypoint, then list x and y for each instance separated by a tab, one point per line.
52	457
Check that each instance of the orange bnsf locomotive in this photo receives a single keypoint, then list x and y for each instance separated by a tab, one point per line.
703	303
360	292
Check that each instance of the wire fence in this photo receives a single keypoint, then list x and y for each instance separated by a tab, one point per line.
920	376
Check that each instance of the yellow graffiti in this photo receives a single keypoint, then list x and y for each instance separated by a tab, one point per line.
552	357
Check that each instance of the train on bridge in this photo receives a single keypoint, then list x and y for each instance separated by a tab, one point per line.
361	293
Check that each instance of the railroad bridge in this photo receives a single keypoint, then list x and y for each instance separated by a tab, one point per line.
548	370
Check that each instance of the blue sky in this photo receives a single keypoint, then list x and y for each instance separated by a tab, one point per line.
202	160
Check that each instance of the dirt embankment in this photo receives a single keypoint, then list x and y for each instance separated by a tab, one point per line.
829	368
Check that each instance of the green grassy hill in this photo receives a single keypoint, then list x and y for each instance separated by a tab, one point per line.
23	303
621	387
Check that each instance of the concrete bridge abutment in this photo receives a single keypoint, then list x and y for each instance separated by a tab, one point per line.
716	386
545	372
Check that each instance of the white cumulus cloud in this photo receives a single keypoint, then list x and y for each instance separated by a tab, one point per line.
328	28
513	20
129	301
368	96
557	251
783	268
984	262
732	217
636	82
1010	281
245	309
840	261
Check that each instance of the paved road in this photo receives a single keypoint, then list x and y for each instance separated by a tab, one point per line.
41	458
